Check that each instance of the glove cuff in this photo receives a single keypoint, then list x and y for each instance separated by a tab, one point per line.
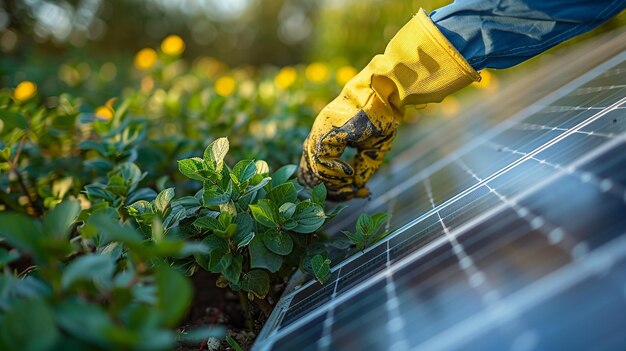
419	66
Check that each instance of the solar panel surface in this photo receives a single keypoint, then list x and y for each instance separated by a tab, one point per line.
515	241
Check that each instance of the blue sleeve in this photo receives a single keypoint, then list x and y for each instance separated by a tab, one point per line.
503	33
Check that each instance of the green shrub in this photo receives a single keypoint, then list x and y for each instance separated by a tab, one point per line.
104	213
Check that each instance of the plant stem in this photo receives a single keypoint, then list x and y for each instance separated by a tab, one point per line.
243	300
20	179
264	305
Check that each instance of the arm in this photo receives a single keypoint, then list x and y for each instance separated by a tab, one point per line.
428	59
504	33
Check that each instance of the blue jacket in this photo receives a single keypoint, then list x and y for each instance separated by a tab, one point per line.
503	33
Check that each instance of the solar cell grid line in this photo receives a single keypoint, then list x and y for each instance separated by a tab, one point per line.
604	184
396	326
398	265
526	155
596	262
554	233
531	126
614	123
323	344
476	278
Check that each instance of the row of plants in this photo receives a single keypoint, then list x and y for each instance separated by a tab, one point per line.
106	211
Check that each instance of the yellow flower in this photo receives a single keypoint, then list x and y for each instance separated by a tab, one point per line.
225	86
316	72
105	113
145	58
344	74
173	45
285	77
24	91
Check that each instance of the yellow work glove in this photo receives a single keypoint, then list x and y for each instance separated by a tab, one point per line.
419	66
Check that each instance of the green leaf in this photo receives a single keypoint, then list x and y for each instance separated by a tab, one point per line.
283	193
262	182
364	223
261	257
131	174
357	238
335	211
20	231
174	294
57	221
367	227
228	232
290	224
207	222
163	200
217	248
378	220
111	231
265	212
278	243
192	168
146	194
214	197
12	120
233	343
283	174
287	210
244	240
29	325
97	192
88	322
96	268
245	227
232	273
216	151
99	147
244	170
256	281
225	219
321	268
309	217
158	232
319	194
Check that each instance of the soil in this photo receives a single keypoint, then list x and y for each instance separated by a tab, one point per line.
219	306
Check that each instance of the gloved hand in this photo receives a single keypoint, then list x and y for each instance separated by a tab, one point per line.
419	66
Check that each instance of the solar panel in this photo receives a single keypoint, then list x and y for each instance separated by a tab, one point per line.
517	240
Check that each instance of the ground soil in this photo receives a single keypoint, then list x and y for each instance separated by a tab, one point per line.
219	306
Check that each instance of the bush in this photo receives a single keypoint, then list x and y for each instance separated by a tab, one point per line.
99	228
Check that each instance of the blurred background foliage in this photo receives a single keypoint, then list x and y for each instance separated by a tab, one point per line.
237	32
